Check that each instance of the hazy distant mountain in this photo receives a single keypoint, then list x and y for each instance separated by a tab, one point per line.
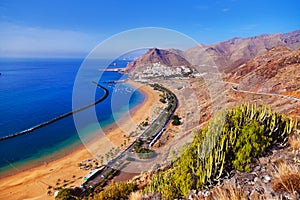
232	53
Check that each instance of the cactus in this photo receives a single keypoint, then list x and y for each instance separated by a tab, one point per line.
290	125
221	167
231	139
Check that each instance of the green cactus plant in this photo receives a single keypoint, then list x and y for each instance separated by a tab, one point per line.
231	140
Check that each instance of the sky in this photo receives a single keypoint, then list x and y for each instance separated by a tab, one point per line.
72	28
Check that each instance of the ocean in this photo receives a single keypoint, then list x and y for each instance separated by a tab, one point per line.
33	91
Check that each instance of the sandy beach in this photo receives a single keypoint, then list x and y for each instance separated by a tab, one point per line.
34	183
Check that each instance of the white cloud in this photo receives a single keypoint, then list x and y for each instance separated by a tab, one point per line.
19	40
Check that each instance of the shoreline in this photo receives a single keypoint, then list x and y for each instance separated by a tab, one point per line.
51	121
66	150
33	183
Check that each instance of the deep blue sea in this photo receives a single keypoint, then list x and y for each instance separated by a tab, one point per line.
33	91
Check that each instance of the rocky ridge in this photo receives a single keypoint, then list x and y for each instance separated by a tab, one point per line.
226	55
232	53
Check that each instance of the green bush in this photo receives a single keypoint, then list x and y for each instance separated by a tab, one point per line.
64	194
176	120
145	123
231	140
141	151
117	191
163	100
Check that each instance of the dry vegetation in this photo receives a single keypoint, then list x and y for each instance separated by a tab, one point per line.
228	192
287	178
287	175
294	141
136	196
225	192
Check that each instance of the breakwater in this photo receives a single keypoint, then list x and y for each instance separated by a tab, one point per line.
105	95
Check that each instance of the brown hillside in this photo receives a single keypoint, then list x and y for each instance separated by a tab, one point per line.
232	53
165	57
226	55
270	72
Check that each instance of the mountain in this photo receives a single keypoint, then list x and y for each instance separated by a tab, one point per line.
232	53
270	72
226	55
169	58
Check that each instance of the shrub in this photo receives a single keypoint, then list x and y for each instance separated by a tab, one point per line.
145	123
232	139
117	191
142	152
287	179
64	194
294	141
136	196
163	100
176	120
251	143
228	192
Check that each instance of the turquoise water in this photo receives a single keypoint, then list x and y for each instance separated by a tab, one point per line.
33	91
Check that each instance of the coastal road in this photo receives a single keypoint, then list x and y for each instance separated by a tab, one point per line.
236	89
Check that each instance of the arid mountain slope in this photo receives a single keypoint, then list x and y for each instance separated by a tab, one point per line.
164	57
226	55
275	71
232	53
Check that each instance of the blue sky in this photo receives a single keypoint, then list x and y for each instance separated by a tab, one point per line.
73	28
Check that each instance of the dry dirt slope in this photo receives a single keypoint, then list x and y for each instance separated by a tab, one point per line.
275	71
